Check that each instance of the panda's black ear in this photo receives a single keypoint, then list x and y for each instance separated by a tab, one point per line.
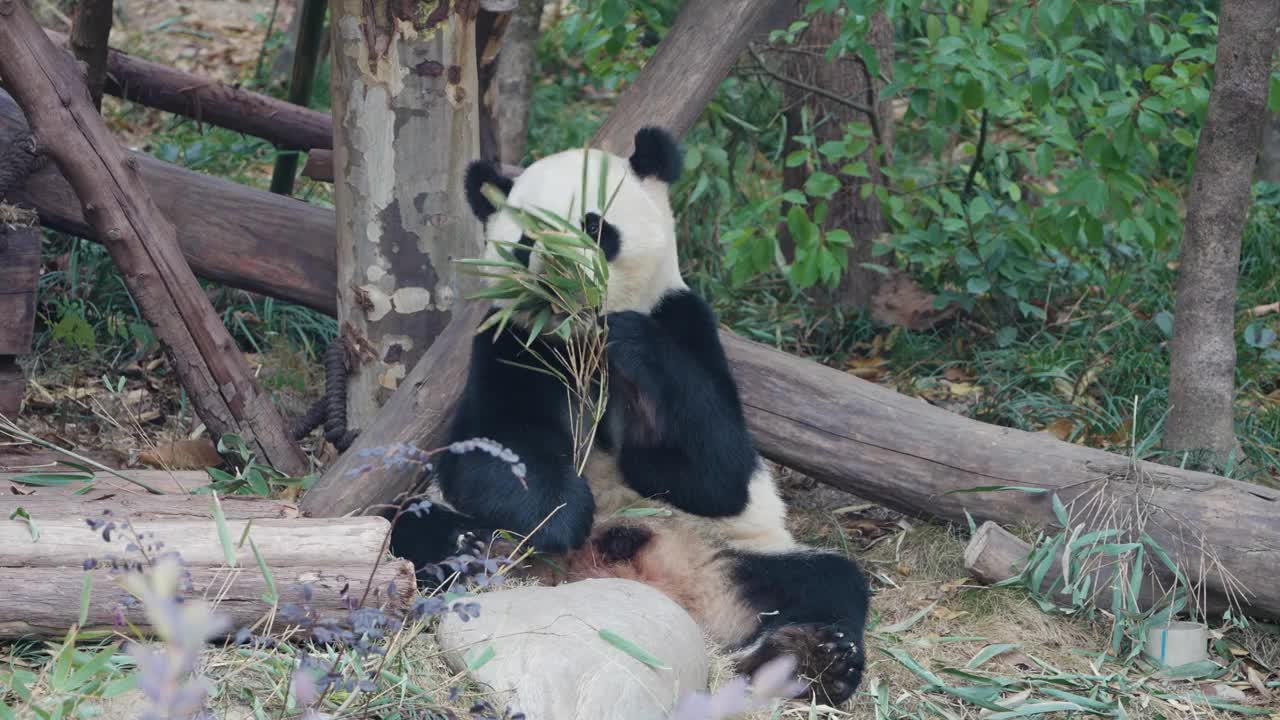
480	172
656	155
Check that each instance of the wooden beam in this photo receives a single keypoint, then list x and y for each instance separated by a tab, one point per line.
246	238
285	125
47	85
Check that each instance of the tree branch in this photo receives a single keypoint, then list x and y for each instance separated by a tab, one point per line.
864	109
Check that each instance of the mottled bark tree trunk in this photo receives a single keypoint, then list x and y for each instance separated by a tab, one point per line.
1203	351
90	31
405	127
515	80
846	77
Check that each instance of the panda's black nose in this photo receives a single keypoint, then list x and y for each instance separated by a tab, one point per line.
591	225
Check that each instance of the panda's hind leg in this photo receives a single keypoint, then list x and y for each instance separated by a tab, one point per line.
812	606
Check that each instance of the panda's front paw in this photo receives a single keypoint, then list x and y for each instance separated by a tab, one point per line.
630	341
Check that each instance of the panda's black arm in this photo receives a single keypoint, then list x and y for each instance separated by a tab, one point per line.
685	435
523	410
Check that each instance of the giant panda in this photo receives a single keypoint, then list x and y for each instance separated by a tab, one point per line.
673	436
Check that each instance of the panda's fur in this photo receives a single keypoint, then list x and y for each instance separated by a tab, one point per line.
673	432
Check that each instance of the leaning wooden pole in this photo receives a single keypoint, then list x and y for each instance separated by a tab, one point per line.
48	86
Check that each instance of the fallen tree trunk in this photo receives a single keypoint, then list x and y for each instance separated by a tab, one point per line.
67	542
143	507
26	608
995	554
246	238
285	125
143	244
913	457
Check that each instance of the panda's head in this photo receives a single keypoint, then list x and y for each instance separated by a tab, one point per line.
636	231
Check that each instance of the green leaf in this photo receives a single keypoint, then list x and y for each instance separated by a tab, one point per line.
821	185
832	150
269	596
1006	336
20	513
977	285
978	14
989	652
631	649
966	259
795	197
797	158
972	95
224	535
840	238
86	593
933	28
1164	321
51	479
1036	709
482	659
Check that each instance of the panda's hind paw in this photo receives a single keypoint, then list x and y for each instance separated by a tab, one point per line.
827	655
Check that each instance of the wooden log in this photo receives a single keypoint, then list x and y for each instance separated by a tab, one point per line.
299	542
143	507
285	125
912	456
28	606
142	242
246	238
995	554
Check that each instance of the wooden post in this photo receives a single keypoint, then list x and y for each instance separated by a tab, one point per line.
19	271
405	111
47	85
305	58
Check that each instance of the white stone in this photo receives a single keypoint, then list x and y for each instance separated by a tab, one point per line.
548	652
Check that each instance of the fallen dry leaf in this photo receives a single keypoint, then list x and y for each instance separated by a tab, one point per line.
958	374
964	389
182	455
867	368
1063	429
947	614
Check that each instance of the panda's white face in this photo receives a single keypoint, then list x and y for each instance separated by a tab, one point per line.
638	228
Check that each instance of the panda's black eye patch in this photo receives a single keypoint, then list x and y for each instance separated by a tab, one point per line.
604	234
